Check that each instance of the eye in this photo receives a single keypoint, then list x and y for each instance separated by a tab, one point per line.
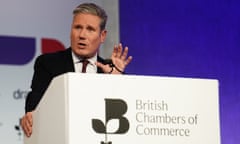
91	29
77	26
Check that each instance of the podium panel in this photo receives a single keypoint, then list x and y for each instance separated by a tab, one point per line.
116	109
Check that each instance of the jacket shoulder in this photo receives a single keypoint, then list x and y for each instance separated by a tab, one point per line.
55	63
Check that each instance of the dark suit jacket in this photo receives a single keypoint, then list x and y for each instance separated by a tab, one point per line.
47	67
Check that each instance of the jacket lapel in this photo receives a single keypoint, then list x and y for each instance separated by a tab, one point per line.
68	61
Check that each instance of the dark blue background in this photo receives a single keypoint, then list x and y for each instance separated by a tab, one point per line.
188	38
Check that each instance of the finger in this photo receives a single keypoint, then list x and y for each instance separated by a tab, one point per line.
100	65
24	125
129	59
119	50
28	128
114	54
125	52
28	123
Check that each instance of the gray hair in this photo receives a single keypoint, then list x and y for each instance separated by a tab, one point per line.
91	8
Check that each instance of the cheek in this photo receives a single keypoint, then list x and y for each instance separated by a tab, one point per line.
95	44
96	40
73	34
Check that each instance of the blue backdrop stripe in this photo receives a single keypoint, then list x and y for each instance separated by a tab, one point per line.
188	38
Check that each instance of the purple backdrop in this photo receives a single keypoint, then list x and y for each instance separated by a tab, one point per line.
188	38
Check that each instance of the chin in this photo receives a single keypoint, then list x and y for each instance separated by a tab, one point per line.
83	54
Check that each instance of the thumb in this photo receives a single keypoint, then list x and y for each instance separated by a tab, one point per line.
105	68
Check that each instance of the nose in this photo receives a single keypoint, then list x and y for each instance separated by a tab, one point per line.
82	34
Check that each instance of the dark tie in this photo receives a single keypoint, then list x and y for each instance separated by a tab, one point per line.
84	65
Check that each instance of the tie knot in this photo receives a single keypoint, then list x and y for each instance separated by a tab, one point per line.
84	65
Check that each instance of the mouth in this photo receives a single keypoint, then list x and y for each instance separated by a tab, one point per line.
82	45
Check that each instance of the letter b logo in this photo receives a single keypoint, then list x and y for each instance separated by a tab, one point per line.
115	109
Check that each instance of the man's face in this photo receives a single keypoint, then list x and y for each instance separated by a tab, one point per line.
86	35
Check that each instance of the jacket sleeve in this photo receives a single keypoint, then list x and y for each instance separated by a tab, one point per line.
40	81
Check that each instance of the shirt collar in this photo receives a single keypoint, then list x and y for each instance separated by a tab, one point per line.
77	59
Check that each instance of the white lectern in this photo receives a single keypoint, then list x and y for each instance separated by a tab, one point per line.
120	109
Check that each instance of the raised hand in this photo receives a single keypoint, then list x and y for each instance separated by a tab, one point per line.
120	60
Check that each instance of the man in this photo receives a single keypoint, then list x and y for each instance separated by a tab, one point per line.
87	34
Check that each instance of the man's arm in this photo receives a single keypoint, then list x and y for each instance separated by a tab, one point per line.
40	82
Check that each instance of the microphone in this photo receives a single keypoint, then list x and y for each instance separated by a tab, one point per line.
108	62
112	65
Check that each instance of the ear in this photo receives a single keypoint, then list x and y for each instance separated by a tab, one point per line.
103	35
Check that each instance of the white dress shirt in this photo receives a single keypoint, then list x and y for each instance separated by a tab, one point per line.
91	67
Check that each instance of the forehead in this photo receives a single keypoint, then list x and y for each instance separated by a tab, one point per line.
86	19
